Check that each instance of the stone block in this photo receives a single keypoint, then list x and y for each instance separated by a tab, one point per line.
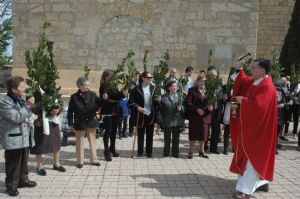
61	7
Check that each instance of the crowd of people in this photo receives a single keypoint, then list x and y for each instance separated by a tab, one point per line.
253	138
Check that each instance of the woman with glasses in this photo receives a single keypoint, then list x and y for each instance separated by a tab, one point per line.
142	98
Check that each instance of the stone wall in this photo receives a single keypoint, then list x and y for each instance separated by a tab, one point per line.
99	33
273	23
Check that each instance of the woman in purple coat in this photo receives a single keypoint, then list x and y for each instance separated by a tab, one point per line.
199	116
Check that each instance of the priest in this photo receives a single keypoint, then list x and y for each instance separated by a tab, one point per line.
254	129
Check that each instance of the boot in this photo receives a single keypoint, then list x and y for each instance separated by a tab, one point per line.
114	153
107	156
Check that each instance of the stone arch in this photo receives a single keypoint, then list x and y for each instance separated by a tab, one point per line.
120	34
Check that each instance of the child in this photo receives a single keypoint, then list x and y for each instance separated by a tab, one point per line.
124	113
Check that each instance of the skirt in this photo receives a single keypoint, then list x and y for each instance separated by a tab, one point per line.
198	130
45	144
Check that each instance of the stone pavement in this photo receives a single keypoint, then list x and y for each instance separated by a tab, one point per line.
158	177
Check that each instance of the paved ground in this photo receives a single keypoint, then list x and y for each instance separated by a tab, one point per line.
157	177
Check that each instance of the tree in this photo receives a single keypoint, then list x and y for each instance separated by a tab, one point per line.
276	68
5	31
5	37
5	8
42	72
290	52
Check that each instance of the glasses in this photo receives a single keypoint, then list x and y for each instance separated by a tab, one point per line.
149	77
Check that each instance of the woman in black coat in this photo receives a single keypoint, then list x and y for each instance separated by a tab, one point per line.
142	98
82	119
109	110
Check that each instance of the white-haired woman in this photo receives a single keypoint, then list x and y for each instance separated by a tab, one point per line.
82	119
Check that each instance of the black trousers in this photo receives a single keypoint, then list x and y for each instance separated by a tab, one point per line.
132	122
226	137
122	126
174	134
110	124
295	111
16	167
215	131
148	129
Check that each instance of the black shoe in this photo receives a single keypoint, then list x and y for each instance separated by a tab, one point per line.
28	184
202	155
114	153
140	155
264	188
59	168
175	156
12	192
107	157
225	152
149	155
215	152
79	166
42	172
283	138
190	155
95	164
278	146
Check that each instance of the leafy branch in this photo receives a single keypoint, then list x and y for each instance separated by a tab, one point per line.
42	72
160	71
145	60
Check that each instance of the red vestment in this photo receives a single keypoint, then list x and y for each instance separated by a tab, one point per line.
254	131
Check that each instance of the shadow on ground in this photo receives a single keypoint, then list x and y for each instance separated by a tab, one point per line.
187	185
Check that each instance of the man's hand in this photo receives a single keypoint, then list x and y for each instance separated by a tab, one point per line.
239	99
240	64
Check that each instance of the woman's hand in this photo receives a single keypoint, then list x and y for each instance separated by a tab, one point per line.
210	107
140	110
200	111
55	112
280	105
105	96
179	108
30	102
72	129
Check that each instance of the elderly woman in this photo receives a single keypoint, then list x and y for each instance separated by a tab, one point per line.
16	120
82	119
282	105
46	143
199	116
172	119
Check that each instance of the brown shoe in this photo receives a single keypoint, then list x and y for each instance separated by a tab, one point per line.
240	195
